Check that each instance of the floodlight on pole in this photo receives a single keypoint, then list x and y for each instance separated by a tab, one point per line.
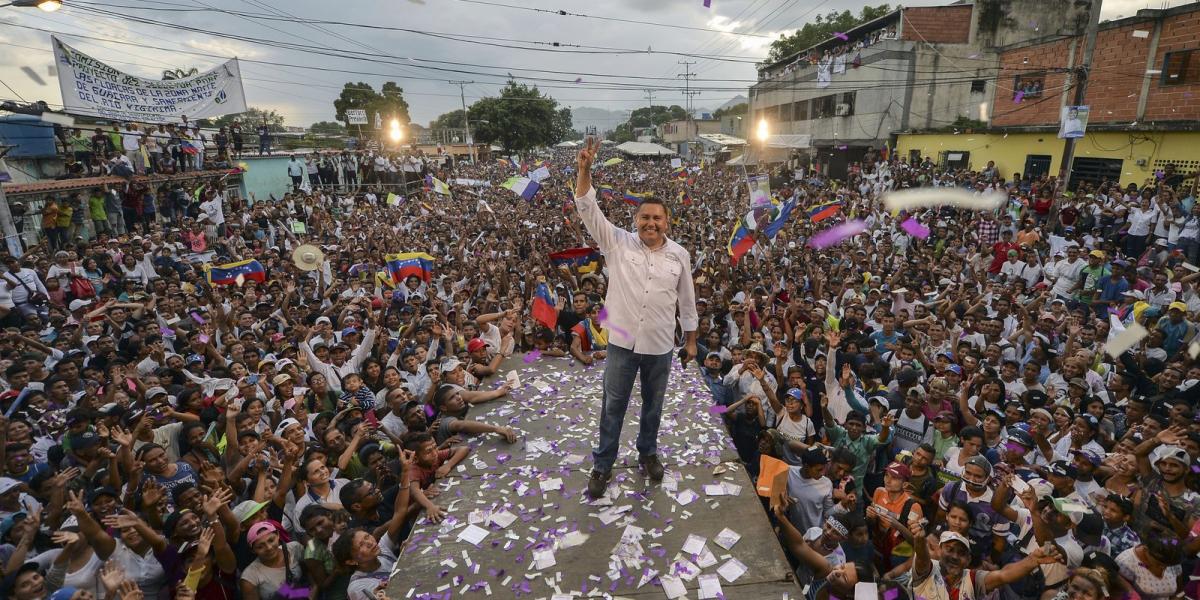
763	133
45	5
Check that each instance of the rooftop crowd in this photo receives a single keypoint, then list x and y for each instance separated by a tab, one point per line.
944	413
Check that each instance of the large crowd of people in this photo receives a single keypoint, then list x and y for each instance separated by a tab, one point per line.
938	413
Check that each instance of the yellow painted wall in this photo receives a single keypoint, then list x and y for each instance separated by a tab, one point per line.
1010	151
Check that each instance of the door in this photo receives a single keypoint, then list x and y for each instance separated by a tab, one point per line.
1095	170
1036	165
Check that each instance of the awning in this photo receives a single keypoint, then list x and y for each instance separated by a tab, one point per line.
789	140
645	149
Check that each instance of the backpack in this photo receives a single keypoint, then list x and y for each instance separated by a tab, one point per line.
82	288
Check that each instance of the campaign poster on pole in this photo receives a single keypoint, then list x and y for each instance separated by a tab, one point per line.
1073	122
356	116
92	88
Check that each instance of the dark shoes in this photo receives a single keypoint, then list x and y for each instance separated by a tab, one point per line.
597	483
651	467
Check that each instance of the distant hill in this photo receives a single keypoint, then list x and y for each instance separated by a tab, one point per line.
602	119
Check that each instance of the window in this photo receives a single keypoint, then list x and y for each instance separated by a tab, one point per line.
1029	86
848	99
956	159
800	110
1181	67
785	113
824	106
978	86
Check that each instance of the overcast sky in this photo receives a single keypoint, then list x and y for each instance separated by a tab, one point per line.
304	96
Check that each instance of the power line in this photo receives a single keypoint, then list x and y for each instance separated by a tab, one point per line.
563	13
553	46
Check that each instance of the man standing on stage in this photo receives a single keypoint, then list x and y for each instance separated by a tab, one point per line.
649	275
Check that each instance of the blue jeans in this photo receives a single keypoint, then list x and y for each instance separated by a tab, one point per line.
620	369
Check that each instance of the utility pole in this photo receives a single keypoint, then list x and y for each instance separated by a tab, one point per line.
1082	75
687	76
462	94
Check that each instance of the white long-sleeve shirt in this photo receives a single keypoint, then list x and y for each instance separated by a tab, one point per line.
645	286
334	373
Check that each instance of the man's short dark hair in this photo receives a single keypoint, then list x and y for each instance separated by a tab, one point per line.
654	200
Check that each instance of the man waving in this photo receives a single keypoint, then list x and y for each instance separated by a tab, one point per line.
649	276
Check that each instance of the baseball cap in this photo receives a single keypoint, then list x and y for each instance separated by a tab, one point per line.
8	484
284	424
954	536
1063	468
980	462
1019	436
1097	253
246	509
796	393
1091	455
957	370
155	391
900	470
475	345
450	364
1159	454
1177	305
945	415
78	304
281	379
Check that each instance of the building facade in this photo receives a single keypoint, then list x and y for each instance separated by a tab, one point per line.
914	68
1143	104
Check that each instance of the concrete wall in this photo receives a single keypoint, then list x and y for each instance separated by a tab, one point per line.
944	77
1010	150
998	23
878	105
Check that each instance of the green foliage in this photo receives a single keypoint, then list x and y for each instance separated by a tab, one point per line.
389	102
736	109
822	28
450	120
328	128
520	119
250	120
623	133
650	116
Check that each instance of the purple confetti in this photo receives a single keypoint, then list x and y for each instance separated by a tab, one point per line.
835	235
915	229
1019	97
717	409
842	147
197	318
605	322
578	80
707	3
891	594
841	36
532	356
166	331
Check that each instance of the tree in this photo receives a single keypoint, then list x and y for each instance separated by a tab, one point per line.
389	102
736	109
650	116
253	116
521	118
822	28
450	120
328	128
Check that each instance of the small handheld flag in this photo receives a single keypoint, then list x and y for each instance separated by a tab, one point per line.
586	260
545	311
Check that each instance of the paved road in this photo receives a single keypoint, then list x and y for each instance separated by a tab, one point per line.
541	538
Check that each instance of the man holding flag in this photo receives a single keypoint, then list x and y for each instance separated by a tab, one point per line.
650	276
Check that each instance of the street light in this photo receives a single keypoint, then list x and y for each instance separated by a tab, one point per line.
762	133
45	5
396	133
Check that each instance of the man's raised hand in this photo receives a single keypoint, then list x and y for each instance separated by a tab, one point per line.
583	164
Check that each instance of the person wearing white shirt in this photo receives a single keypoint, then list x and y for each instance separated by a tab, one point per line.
1065	273
1141	217
1013	268
650	277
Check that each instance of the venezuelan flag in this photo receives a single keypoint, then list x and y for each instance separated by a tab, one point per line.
247	270
590	336
408	264
634	198
606	192
586	259
680	173
741	241
685	198
545	309
821	212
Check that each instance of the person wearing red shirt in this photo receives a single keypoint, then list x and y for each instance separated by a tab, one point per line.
1000	251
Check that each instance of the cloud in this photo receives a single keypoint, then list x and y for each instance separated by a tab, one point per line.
222	47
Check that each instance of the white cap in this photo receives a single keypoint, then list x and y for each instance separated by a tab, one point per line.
7	484
78	304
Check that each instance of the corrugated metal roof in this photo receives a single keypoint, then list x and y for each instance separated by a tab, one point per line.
62	185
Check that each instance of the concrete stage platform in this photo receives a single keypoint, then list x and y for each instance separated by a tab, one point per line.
519	525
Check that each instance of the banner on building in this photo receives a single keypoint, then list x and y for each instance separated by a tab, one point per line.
92	88
1073	122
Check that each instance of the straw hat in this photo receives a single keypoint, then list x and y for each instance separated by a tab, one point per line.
308	257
